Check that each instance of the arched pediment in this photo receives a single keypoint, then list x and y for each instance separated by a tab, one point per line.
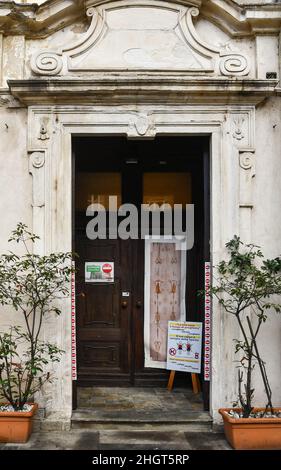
152	35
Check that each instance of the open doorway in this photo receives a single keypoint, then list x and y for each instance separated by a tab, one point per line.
110	315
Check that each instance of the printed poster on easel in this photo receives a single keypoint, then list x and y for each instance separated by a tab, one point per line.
184	346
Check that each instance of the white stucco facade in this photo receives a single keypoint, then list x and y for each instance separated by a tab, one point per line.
141	68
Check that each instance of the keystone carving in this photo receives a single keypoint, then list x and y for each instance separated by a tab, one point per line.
142	125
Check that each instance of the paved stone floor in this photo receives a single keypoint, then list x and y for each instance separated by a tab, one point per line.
139	408
138	399
107	405
122	440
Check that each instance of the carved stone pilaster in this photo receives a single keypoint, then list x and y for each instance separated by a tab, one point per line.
37	170
247	173
36	164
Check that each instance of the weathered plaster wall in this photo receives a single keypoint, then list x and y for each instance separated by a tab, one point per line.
15	181
267	222
15	185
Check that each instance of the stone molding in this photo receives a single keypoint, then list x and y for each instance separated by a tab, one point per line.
147	87
194	55
39	21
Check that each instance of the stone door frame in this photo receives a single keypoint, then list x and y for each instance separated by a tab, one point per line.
232	152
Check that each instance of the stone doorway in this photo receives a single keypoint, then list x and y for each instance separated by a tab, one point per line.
110	338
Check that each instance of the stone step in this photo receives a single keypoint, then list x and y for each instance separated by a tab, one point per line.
129	420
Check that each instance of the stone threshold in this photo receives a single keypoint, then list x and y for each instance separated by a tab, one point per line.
192	421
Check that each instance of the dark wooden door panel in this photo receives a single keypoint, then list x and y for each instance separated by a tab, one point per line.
103	326
101	306
101	354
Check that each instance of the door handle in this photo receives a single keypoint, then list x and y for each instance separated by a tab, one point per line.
139	304
124	304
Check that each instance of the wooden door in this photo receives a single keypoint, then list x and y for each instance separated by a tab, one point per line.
104	314
110	317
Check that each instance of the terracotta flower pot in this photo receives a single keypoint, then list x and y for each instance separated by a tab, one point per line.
16	426
252	433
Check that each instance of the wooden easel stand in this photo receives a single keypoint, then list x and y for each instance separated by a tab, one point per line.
196	386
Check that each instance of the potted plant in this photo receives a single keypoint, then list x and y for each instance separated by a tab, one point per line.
31	285
248	287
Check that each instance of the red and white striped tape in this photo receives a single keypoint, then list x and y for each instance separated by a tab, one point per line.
73	329
207	323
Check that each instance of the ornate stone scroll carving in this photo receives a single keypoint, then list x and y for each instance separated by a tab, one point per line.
233	63
141	35
46	63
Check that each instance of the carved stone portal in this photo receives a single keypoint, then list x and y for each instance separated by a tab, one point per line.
141	35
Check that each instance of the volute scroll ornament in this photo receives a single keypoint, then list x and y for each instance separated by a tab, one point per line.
234	63
91	11
46	63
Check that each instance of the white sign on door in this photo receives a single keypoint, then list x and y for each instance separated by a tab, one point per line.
184	346
97	271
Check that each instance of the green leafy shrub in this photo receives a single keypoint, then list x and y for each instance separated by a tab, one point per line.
246	287
31	284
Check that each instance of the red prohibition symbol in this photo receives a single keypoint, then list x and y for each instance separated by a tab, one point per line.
172	351
107	268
